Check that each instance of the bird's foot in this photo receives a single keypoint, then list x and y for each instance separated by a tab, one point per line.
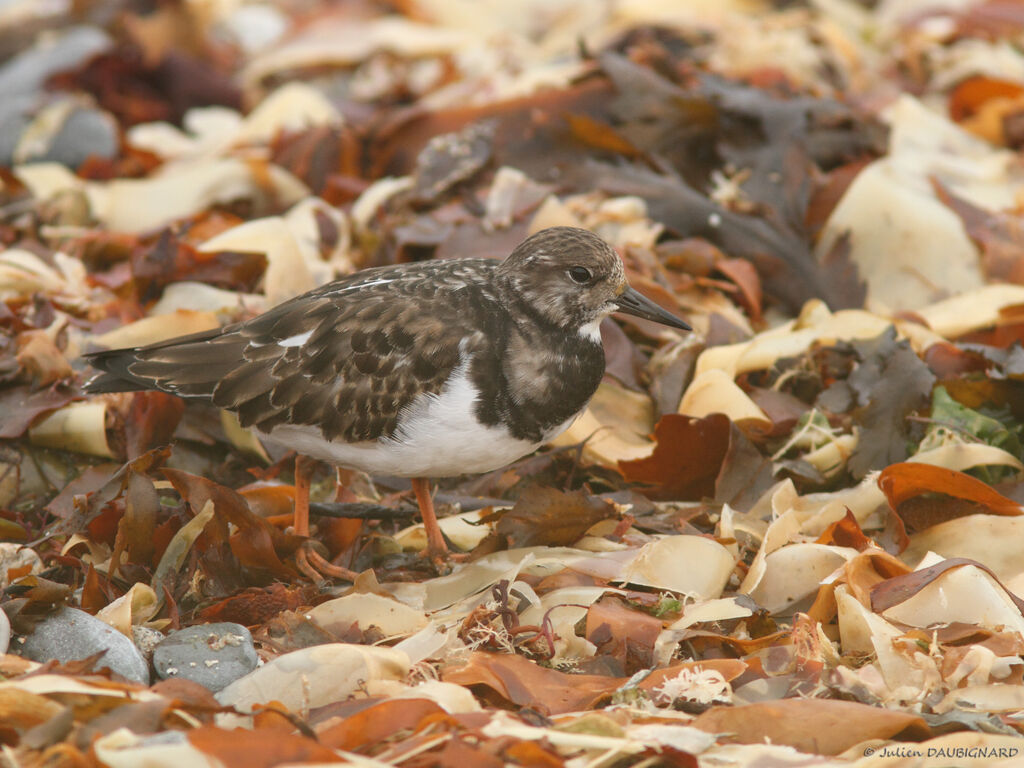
316	568
443	559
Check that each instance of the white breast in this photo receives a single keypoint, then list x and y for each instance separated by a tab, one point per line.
438	436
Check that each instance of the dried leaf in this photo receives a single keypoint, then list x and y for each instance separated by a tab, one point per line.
845	533
151	421
818	726
743	274
890	383
550	517
256	543
687	457
623	633
526	684
908	480
259	749
138	524
22	405
257	605
86	502
374	726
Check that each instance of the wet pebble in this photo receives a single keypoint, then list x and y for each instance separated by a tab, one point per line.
22	79
74	136
213	655
71	634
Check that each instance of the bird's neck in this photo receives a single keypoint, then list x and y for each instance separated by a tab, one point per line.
541	376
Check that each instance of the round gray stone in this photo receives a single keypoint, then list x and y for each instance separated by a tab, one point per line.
86	132
71	634
213	655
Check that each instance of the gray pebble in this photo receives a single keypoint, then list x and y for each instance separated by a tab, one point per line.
213	655
23	76
86	131
26	72
71	634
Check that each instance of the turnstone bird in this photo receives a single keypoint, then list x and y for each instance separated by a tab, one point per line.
422	370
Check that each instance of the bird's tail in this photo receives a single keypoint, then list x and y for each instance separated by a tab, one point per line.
191	361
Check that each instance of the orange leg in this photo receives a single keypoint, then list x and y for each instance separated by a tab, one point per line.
303	469
308	560
436	548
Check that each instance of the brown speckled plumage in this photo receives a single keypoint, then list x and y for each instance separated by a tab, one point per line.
351	357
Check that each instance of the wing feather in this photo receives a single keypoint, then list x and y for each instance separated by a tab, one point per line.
348	357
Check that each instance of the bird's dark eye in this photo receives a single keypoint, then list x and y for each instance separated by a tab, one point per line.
580	275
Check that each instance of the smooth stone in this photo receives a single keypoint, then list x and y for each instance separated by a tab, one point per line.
23	77
213	655
27	72
71	634
14	119
85	132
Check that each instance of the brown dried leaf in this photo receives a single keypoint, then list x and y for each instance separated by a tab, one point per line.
21	405
526	684
600	135
138	524
845	533
82	505
169	259
258	749
889	383
997	235
548	516
34	598
96	591
151	421
623	633
257	605
188	695
818	726
742	273
827	194
701	458
687	457
138	717
256	543
371	727
869	569
529	134
908	480
457	753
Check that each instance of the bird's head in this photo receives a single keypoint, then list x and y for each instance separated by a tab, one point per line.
574	279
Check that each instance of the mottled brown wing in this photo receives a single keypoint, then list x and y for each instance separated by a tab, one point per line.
346	357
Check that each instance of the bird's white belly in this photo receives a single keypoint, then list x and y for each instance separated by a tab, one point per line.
437	436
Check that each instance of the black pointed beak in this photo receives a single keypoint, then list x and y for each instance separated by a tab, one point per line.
632	302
